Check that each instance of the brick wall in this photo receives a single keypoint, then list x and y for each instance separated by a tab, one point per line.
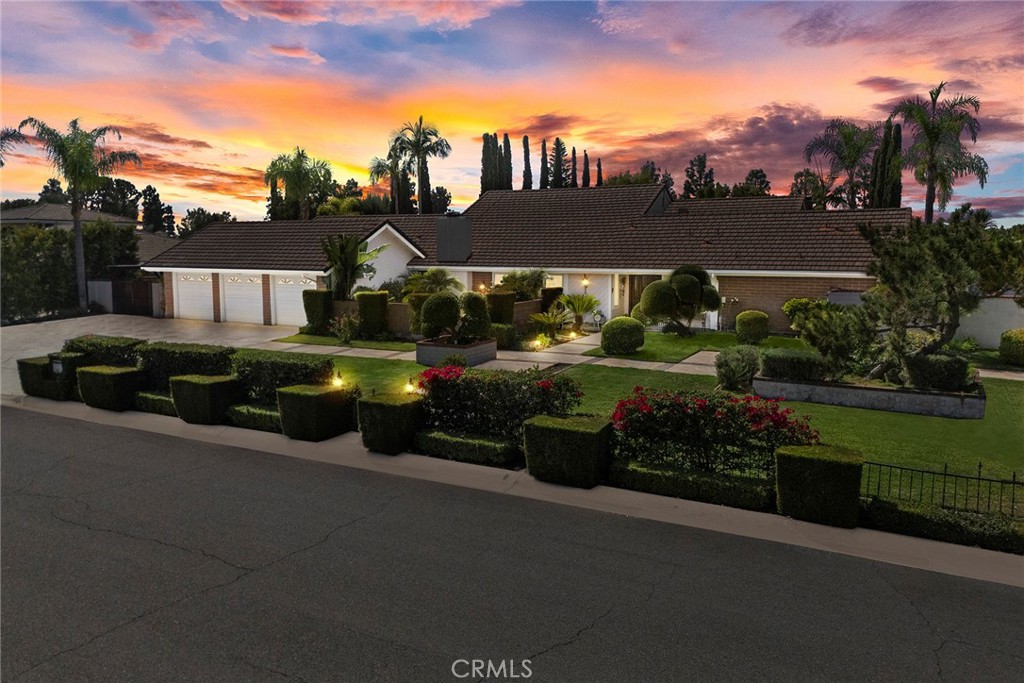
769	293
168	279
267	317
216	298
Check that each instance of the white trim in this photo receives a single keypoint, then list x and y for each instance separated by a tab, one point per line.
394	231
788	273
244	271
500	270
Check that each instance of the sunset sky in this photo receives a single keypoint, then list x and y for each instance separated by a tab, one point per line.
209	93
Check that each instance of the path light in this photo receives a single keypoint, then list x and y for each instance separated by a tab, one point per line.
536	343
572	335
483	288
409	387
337	381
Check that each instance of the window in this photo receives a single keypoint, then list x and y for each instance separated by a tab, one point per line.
554	281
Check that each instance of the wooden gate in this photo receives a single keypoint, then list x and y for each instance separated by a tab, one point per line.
133	297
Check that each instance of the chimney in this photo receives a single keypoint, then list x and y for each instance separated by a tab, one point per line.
454	239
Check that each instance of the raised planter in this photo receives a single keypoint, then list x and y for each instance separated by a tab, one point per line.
429	353
935	403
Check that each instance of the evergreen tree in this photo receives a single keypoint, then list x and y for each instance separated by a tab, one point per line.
507	167
756	184
586	169
441	199
572	179
53	193
545	176
600	178
152	209
405	192
698	178
486	181
167	218
886	184
497	163
527	173
559	164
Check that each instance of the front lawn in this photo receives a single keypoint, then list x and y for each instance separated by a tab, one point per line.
920	441
385	376
671	348
355	343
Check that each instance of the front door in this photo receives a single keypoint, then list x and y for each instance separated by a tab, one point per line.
636	288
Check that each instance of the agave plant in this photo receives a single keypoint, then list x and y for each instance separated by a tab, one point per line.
579	305
432	281
553	320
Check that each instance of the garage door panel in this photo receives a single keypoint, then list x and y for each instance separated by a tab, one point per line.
194	296
243	298
288	298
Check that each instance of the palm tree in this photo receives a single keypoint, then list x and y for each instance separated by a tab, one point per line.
419	141
8	138
579	305
936	153
349	260
391	168
848	148
302	175
432	281
77	156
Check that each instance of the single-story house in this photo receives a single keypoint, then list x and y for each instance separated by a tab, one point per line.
48	215
607	241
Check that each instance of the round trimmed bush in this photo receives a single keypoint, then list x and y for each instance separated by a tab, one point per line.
622	335
477	322
439	313
751	327
1011	346
658	300
688	288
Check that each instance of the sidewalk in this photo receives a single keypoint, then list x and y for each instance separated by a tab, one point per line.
347	451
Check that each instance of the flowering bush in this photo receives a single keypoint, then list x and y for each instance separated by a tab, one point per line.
493	403
705	432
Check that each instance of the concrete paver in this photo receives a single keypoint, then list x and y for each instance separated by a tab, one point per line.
513	365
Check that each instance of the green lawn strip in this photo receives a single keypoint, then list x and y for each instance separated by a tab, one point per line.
988	359
670	348
355	343
918	441
377	374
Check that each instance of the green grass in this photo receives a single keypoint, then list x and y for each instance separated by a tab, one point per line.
377	374
997	441
355	343
988	359
670	348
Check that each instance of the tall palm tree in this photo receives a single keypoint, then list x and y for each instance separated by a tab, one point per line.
391	167
936	153
8	138
78	156
419	142
848	149
302	175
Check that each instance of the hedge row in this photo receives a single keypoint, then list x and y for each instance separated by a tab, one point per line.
38	379
156	403
793	364
104	350
162	360
204	399
737	492
993	532
388	422
478	450
109	387
257	418
373	313
316	412
573	451
261	373
819	484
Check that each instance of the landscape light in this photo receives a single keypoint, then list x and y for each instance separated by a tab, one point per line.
337	381
409	387
572	335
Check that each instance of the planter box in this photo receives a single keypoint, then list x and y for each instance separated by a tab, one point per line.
935	403
430	352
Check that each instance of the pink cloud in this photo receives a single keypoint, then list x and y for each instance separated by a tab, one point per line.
297	52
171	20
444	14
304	13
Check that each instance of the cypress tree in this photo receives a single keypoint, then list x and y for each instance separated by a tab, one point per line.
405	193
559	172
572	180
485	166
886	183
879	169
893	195
499	168
545	177
496	163
527	173
507	173
424	181
600	180
586	169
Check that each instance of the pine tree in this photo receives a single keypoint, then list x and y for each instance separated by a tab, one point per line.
572	179
508	163
586	169
527	173
559	163
545	174
600	179
153	209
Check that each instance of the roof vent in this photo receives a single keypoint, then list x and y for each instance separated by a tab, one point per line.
454	238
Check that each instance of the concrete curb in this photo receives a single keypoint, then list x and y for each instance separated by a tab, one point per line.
348	451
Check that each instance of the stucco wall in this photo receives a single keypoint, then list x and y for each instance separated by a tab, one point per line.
993	317
600	286
391	263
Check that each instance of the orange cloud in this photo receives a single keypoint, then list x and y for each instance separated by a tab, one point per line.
297	52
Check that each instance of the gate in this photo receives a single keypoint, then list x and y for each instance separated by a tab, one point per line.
133	297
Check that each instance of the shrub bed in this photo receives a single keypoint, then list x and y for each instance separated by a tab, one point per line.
501	306
819	484
478	450
622	335
1011	347
505	335
793	364
373	313
416	302
162	360
737	492
155	402
103	350
38	379
751	327
389	422
257	418
204	399
574	451
319	307
548	296
735	367
261	373
936	372
109	387
312	412
993	532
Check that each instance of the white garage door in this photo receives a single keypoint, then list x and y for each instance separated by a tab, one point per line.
243	298
288	298
193	296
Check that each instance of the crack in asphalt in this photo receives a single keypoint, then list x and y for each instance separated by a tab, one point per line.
283	674
927	622
579	633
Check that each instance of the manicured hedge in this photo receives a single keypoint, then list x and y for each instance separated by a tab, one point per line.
574	451
103	350
109	387
37	377
936	372
319	307
502	307
1011	346
155	402
439	313
162	360
736	492
548	296
416	302
373	313
476	322
261	373
993	532
751	327
389	422
622	335
819	484
793	364
256	418
506	336
312	412
478	450
204	399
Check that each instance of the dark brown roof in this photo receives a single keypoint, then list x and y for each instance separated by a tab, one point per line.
739	205
58	215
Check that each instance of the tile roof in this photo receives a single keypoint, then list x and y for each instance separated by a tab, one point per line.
152	244
47	214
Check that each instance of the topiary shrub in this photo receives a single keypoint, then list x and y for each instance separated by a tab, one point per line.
319	307
477	450
819	484
439	315
315	412
109	387
573	451
261	373
793	364
162	360
155	402
622	335
103	350
746	493
389	422
476	322
751	327
685	295
505	335
501	306
1011	347
373	313
257	418
416	302
936	372
38	379
204	399
735	367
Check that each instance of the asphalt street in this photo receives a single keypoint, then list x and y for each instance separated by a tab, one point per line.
132	556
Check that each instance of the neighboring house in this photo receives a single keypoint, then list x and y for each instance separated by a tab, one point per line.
124	291
57	216
607	241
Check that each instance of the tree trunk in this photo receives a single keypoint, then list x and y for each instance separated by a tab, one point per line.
76	214
929	197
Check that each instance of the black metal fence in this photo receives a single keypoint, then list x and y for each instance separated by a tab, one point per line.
954	491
